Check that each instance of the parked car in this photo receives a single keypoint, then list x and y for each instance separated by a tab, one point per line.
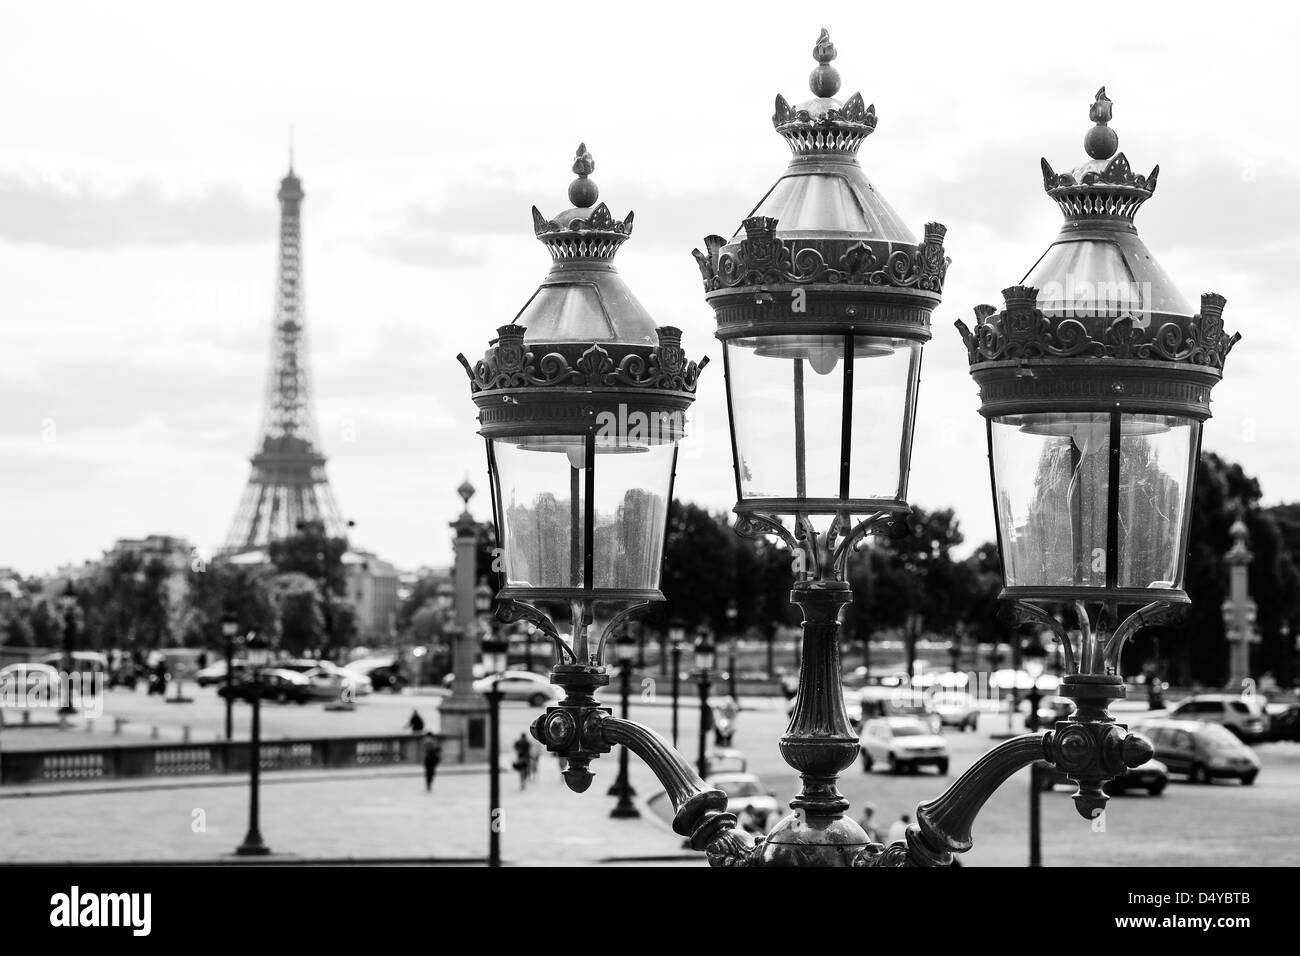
216	673
905	743
1244	716
746	791
1284	724
521	685
384	672
278	684
1152	776
1203	751
957	708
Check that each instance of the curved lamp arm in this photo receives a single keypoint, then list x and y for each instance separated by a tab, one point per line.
943	825
701	814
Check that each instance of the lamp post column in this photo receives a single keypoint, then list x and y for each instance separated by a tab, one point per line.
464	712
494	774
819	742
253	844
625	808
702	762
1239	609
677	684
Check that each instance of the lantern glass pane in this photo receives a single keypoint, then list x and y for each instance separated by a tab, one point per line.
631	495
541	498
1051	475
885	376
1156	473
787	402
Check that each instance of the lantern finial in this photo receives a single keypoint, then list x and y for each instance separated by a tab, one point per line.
1101	141
583	193
824	79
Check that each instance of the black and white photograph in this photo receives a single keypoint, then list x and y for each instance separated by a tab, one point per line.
498	437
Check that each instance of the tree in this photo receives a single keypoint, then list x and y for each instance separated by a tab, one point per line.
223	588
302	620
314	553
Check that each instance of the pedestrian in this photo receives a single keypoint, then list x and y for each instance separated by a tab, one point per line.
898	830
416	723
432	757
523	750
534	757
868	816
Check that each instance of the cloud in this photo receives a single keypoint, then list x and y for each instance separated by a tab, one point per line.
82	215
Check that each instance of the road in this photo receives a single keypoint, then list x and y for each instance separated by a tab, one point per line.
1220	824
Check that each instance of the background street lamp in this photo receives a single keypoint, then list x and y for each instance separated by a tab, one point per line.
229	631
677	636
705	658
257	655
731	649
494	663
68	604
625	652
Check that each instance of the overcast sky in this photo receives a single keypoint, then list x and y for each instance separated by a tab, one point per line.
141	146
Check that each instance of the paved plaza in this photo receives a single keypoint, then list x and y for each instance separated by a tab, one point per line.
386	814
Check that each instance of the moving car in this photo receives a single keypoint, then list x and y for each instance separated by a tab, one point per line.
1152	776
328	680
278	684
384	672
957	708
1244	716
521	685
753	804
1052	709
905	743
1203	751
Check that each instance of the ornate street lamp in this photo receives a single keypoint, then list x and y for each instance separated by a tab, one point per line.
257	653
706	656
582	400
229	631
68	604
823	301
1095	381
494	653
625	651
677	640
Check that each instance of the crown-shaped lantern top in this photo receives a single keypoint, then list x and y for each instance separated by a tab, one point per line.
585	230
824	124
1098	293
1105	187
583	298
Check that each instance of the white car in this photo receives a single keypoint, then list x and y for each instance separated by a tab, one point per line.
532	688
329	681
751	802
905	743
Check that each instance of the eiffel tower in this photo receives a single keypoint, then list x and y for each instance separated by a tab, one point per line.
288	484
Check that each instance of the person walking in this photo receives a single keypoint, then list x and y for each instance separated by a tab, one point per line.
432	757
898	830
868	824
523	754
